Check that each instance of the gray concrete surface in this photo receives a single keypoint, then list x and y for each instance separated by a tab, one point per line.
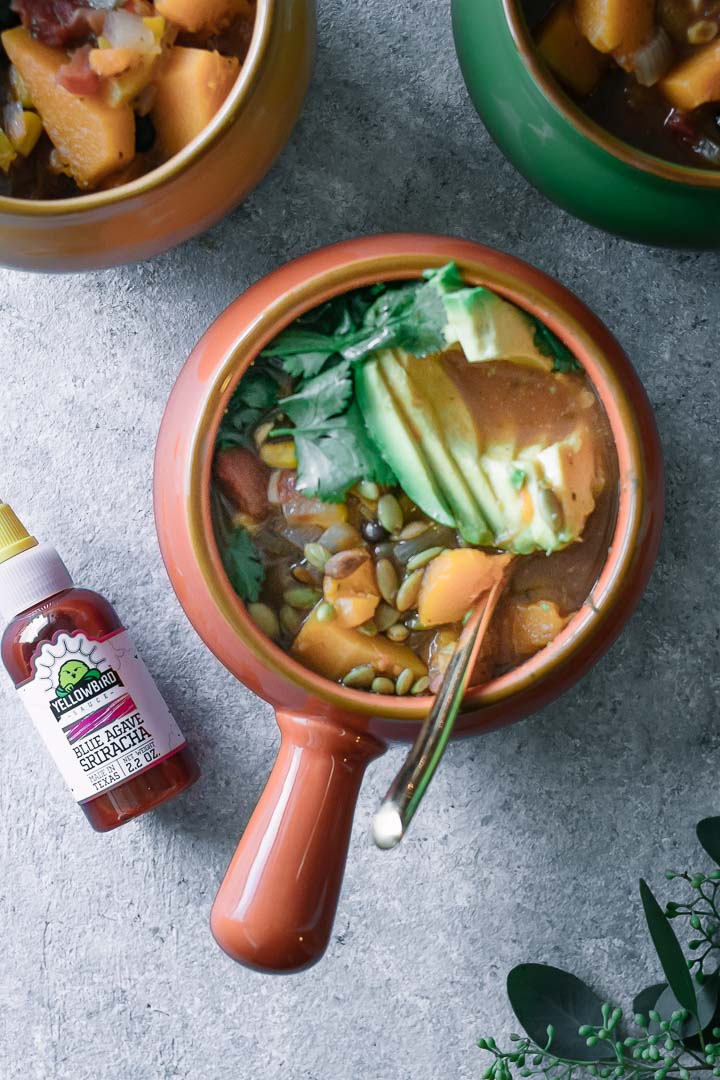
532	840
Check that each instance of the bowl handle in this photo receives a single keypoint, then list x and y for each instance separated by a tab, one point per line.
275	908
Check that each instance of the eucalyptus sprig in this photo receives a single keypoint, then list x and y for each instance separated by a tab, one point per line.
674	1030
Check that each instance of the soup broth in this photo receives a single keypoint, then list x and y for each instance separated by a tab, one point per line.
649	73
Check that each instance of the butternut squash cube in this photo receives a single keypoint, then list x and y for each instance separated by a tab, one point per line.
332	650
616	24
525	628
195	15
92	138
354	597
570	56
694	81
191	87
454	581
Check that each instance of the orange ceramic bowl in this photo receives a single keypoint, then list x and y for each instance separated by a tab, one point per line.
276	905
194	189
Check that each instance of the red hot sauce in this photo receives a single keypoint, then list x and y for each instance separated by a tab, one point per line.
88	692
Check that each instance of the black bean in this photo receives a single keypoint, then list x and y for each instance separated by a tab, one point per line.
373	532
144	134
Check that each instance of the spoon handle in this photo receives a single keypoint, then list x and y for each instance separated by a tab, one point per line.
407	789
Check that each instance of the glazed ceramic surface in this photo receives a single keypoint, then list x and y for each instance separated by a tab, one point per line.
193	190
567	156
276	905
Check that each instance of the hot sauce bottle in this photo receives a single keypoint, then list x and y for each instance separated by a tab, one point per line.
87	691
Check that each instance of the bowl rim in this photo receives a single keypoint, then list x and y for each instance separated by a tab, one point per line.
403	263
583	124
225	117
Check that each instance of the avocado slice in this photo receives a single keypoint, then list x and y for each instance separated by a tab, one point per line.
390	433
490	328
570	469
546	493
421	419
431	380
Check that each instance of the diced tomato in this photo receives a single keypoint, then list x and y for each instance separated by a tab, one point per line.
59	22
243	478
77	76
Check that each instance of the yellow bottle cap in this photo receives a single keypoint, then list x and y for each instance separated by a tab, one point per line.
14	537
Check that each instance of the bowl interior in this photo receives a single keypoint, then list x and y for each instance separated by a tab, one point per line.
592	345
224	118
583	124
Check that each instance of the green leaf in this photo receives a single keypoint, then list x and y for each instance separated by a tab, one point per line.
319	398
668	949
708	833
541	995
647	998
707	1001
254	399
241	560
549	344
331	461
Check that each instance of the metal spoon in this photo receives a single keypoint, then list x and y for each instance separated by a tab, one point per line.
407	789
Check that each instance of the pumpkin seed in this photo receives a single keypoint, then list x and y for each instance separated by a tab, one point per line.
701	32
369	490
290	620
409	591
381	685
414	529
261	433
390	514
325	613
424	557
317	555
265	619
345	563
385	550
385	617
304	575
398	633
369	629
387	580
302	598
339	537
360	677
420	686
404	682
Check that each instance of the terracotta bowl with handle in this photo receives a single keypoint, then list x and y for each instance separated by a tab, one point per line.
276	905
198	186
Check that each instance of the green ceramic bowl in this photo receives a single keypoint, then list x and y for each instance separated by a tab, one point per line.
566	155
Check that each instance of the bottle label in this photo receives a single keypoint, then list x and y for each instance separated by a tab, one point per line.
98	711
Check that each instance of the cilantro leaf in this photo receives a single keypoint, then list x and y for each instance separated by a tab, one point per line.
408	316
330	461
255	398
421	328
241	560
549	344
319	398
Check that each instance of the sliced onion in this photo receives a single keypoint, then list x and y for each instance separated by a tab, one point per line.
126	31
14	121
652	61
709	150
